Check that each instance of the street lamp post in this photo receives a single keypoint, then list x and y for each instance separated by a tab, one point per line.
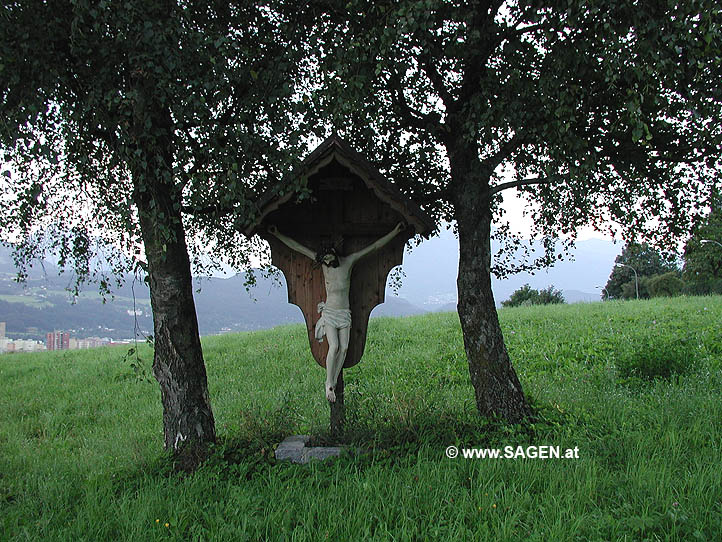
605	294
636	279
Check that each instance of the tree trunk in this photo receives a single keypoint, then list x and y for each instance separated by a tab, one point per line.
178	364
178	358
496	386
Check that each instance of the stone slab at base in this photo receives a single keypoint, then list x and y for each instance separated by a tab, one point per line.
294	449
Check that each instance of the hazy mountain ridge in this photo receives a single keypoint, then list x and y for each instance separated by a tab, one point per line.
223	304
43	304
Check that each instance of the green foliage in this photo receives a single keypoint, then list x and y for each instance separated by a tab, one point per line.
80	437
703	287
635	288
526	296
703	252
520	296
127	100
142	133
637	264
550	296
583	104
653	357
666	284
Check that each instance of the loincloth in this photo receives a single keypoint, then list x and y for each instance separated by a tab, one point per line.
336	318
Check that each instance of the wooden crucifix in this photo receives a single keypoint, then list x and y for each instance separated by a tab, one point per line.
350	217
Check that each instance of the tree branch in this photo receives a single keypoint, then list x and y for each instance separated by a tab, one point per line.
427	61
428	122
516	32
505	150
481	24
522	182
208	210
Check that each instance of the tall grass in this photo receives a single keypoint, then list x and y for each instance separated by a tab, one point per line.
634	385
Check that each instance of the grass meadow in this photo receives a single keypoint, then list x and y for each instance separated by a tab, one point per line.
636	386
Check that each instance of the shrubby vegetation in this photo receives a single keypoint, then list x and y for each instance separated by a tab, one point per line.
703	287
527	296
666	284
659	275
643	259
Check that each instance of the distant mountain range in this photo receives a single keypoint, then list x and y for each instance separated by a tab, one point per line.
43	304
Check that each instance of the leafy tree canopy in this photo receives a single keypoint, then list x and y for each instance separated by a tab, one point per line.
89	87
643	259
599	113
703	251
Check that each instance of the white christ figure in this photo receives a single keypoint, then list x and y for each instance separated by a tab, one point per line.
335	321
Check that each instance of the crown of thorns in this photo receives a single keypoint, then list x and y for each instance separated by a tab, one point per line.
329	247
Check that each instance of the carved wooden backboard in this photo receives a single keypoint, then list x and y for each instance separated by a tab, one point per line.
340	205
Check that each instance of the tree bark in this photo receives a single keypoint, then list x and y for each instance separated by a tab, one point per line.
496	386
178	365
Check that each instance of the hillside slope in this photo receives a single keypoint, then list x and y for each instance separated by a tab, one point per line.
81	436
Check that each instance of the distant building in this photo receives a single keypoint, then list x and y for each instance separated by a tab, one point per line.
89	342
2	330
57	340
27	345
20	345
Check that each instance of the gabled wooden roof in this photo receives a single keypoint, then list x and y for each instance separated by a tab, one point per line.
335	148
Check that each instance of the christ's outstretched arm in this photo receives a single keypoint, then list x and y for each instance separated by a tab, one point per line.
290	243
373	247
